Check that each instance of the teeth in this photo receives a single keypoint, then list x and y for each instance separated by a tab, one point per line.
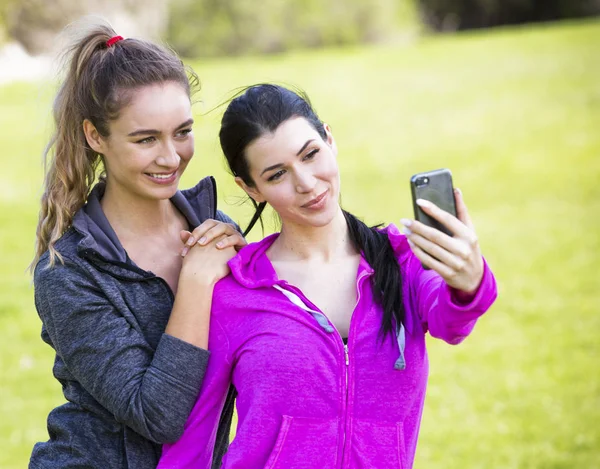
162	176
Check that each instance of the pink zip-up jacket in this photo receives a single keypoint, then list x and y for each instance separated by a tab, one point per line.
305	400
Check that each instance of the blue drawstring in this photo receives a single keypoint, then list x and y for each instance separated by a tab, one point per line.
401	362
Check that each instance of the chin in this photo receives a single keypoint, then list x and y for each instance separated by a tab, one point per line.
320	220
162	193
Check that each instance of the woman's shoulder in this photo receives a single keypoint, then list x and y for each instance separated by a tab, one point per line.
398	241
65	247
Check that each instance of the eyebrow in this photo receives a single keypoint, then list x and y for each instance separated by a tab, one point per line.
155	132
279	165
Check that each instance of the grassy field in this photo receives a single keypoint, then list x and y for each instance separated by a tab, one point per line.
515	114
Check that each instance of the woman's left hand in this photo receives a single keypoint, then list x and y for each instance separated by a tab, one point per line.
457	259
211	229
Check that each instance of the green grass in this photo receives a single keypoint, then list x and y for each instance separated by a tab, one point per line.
515	113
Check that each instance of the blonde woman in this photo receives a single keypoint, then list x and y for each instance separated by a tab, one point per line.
126	313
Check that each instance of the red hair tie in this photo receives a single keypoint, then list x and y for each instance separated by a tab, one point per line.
113	40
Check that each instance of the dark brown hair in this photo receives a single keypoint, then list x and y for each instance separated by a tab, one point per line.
261	109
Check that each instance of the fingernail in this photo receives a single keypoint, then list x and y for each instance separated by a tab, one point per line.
220	244
423	203
406	221
458	190
202	240
190	241
184	251
406	231
410	243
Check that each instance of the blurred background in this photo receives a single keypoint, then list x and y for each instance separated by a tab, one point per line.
505	93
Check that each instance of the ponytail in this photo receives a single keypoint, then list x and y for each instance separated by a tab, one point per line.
386	281
256	217
69	164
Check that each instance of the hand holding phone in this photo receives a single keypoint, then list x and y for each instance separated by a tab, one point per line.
434	186
444	241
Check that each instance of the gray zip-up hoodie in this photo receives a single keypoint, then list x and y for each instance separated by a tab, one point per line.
129	386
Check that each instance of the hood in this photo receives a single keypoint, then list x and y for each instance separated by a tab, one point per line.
251	268
196	204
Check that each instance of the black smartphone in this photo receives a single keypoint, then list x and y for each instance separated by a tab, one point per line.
435	186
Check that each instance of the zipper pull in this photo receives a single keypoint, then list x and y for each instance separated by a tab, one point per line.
346	354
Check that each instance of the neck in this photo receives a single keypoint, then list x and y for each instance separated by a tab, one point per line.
131	215
309	243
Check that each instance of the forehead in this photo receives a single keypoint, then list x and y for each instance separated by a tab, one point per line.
284	143
155	106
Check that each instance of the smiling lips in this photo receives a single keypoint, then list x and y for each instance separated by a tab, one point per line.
162	178
317	203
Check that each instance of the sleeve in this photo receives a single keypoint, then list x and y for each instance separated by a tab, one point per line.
195	447
226	219
433	300
151	391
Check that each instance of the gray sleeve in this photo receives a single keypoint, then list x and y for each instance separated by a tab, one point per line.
150	391
226	219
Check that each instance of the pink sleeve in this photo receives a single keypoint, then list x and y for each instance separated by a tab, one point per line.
195	447
431	298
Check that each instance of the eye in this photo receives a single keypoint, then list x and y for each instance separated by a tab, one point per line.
184	133
146	140
311	154
276	176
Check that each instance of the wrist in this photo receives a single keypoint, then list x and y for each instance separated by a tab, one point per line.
196	278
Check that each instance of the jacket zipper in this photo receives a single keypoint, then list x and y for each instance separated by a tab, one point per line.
347	368
306	301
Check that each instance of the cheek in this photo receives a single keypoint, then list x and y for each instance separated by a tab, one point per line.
280	197
186	151
330	169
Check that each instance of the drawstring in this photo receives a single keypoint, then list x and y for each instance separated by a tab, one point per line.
401	362
324	323
320	317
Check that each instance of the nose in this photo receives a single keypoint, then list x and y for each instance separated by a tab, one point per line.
305	181
168	156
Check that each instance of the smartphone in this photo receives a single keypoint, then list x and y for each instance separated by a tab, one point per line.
435	186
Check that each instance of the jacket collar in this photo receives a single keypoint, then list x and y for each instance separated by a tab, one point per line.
196	204
252	268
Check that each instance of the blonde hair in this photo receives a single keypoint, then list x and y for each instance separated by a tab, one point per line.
97	84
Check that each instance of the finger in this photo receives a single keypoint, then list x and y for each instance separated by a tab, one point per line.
449	221
454	262
200	231
461	208
218	230
453	245
235	240
184	235
429	261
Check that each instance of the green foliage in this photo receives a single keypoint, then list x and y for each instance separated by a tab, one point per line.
6	8
515	115
233	27
466	14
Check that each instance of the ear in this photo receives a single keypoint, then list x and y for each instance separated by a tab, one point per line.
330	140
251	191
93	137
